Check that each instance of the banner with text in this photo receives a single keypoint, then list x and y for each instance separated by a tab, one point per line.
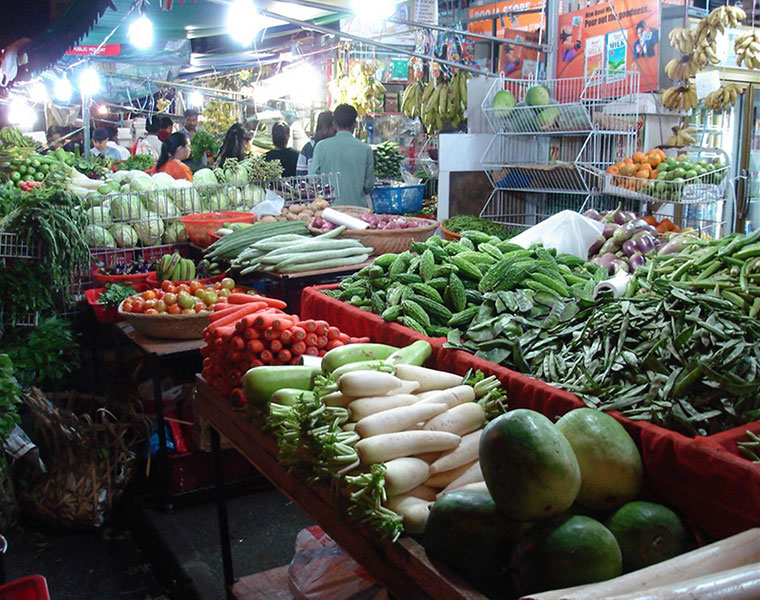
530	21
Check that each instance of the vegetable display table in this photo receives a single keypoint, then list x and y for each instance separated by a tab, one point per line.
156	350
402	567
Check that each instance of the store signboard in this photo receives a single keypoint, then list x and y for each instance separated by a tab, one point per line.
92	49
518	62
619	36
525	22
421	11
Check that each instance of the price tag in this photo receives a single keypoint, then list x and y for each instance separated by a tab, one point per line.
707	82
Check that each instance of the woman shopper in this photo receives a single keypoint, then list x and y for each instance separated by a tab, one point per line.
237	144
173	151
325	129
287	156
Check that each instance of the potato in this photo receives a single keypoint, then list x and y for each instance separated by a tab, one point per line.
292	217
268	219
318	213
320	203
284	212
297	208
280	218
303	217
307	213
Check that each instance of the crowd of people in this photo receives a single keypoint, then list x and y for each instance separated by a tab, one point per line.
333	148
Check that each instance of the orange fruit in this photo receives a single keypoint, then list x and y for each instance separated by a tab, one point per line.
626	170
612	170
653	174
628	161
639	157
653	159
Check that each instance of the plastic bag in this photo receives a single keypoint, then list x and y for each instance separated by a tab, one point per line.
270	206
321	569
568	232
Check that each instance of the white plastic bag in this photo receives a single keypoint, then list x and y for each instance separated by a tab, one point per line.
270	206
321	569
568	232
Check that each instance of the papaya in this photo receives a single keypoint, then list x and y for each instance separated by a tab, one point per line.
564	551
528	466
610	463
647	533
465	531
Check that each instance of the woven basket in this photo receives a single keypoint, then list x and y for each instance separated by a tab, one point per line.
382	241
168	327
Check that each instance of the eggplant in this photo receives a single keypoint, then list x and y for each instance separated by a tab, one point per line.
609	229
592	214
594	250
619	265
606	261
636	261
645	242
630	248
640	224
619	217
629	216
610	246
674	246
623	233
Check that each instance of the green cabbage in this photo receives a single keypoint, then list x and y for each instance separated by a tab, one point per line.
187	199
174	233
127	207
160	202
219	200
99	237
150	229
142	182
163	181
125	236
100	215
256	195
204	177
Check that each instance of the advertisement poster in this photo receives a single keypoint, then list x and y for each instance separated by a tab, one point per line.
526	22
591	39
518	62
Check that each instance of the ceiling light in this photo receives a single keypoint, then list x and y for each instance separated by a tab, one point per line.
141	33
195	99
243	22
102	109
21	114
62	89
38	92
89	82
373	11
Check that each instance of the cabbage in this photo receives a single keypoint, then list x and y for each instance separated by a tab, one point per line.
218	201
256	195
100	215
125	236
174	233
141	182
187	199
150	229
99	237
120	176
163	181
161	203
127	207
204	177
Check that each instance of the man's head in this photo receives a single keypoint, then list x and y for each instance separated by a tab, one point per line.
345	117
325	125
100	138
153	126
280	135
191	119
113	133
167	124
53	134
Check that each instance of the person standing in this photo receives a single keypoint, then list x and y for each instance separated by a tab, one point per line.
237	144
173	152
150	144
349	157
325	129
113	142
287	156
191	123
166	128
100	144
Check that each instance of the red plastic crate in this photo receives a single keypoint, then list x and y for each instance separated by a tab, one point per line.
31	587
103	314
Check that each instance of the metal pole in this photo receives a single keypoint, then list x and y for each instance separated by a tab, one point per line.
86	125
552	28
395	49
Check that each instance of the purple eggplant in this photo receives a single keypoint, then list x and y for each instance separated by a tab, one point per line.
592	214
609	229
623	233
606	261
629	216
630	248
594	249
619	265
610	246
636	261
674	246
619	217
640	224
645	242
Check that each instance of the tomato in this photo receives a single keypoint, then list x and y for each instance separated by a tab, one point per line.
150	303
138	306
211	298
22	169
199	306
151	311
228	283
174	309
161	306
186	301
159	294
188	311
149	295
183	287
224	293
170	298
195	286
127	306
199	293
165	285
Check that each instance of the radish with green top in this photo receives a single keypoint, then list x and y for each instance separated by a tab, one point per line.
349	427
478	486
453	396
414	511
461	419
337	399
428	457
441	480
429	379
404	474
388	446
396	419
363	407
425	395
472	475
464	453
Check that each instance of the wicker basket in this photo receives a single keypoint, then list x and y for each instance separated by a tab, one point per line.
385	241
168	327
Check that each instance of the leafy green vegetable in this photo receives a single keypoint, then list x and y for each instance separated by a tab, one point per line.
10	397
138	162
462	223
202	142
23	289
115	293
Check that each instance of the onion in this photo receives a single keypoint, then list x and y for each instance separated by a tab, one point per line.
636	261
630	248
592	214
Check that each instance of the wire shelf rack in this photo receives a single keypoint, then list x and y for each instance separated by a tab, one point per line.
573	105
29	319
516	210
12	246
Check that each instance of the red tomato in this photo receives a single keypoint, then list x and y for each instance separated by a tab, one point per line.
149	295
183	287
199	307
150	303
223	293
138	306
173	309
170	298
165	285
161	306
127	306
195	286
188	311
159	294
151	311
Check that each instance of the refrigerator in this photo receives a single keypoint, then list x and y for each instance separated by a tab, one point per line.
748	184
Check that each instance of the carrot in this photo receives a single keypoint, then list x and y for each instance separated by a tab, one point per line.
266	357
311	339
207	362
254	346
298	348
236	357
282	322
219	314
343	337
270	334
358	340
286	336
237	343
322	327
273	302
233	317
310	325
267	318
312	351
299	333
322	341
250	334
224	333
334	343
333	333
256	363
275	345
322	352
238	397
284	356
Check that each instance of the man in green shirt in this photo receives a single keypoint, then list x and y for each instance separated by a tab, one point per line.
349	157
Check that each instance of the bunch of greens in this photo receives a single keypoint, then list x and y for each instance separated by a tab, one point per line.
10	397
202	142
23	289
115	293
98	167
138	162
44	355
253	168
462	223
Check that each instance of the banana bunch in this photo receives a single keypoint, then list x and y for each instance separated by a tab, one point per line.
706	33
747	48
682	136
12	136
726	16
172	267
683	68
444	101
682	40
359	88
411	100
723	98
680	98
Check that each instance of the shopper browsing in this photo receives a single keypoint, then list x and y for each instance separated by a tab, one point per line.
237	144
167	125
325	129
173	152
287	156
113	142
191	123
350	158
100	144
150	144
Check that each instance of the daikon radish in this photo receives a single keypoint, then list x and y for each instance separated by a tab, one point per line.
453	396
404	474
349	427
424	395
478	486
407	387
414	511
423	492
368	383
387	446
337	399
441	480
428	457
401	418
463	454
736	551
363	407
461	419
429	379
400	501
471	475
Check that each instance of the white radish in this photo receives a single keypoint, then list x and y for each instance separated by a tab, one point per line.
387	446
471	475
401	418
478	486
428	457
424	395
424	492
429	379
461	419
368	383
400	501
404	474
464	453
407	387
415	513
337	399
349	427
452	397
441	480
363	407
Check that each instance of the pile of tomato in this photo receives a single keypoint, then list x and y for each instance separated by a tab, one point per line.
180	299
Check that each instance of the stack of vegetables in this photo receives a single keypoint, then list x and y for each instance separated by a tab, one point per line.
231	246
252	331
461	223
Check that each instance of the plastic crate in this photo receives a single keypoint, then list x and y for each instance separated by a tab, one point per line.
31	587
103	314
397	199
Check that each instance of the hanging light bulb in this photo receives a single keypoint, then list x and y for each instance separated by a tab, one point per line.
62	89
21	114
195	99
102	109
89	82
141	32
373	11
243	22
38	92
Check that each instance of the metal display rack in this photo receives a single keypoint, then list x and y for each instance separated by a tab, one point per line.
13	247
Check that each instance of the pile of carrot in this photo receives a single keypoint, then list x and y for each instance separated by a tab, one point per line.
251	331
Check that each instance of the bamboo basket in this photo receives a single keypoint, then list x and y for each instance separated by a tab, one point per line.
89	453
382	241
168	327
